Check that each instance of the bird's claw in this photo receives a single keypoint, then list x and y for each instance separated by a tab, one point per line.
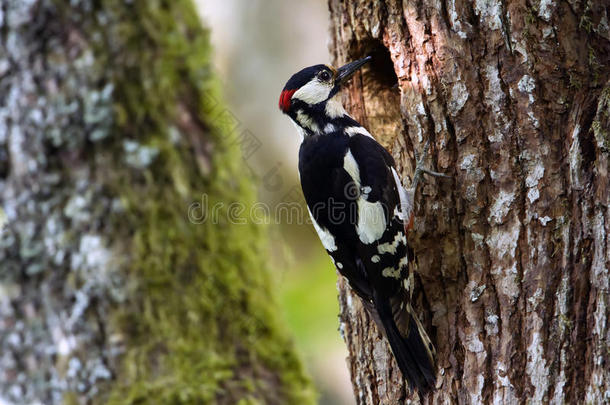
420	169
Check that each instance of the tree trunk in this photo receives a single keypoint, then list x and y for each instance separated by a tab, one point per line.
513	252
114	285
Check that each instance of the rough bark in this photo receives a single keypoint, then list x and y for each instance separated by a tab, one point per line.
513	253
110	128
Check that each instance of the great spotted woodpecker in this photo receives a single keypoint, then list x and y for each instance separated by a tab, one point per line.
360	211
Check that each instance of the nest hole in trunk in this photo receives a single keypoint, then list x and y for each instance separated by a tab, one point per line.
381	95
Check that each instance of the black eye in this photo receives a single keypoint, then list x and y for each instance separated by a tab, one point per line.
324	75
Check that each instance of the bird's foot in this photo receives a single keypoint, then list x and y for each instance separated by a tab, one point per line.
420	170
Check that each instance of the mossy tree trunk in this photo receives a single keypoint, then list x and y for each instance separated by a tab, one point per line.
513	252
109	291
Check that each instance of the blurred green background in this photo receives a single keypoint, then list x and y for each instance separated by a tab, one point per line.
258	45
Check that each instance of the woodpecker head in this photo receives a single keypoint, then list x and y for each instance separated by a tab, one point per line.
309	96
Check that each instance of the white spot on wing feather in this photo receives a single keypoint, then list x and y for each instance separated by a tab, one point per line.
390	247
391	272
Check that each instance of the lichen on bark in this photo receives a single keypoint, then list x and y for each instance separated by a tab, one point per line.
109	131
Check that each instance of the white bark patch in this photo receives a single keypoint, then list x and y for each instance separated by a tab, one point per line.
504	393
371	221
502	244
327	239
536	364
470	164
494	98
459	95
545	220
476	292
467	162
532	180
534	176
545	9
455	22
533	194
478	239
501	207
491	324
475	345
489	11
527	85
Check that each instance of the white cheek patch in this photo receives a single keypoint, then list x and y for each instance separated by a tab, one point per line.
371	221
327	239
313	92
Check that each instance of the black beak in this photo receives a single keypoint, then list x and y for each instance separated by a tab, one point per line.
347	70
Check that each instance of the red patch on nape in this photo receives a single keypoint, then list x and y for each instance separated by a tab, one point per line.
285	99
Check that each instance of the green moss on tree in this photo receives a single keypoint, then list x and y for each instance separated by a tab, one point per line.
200	323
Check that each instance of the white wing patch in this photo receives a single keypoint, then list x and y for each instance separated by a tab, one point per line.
390	247
371	218
327	239
313	92
351	167
371	221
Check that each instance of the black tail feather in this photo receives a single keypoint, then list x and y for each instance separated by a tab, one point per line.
410	351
